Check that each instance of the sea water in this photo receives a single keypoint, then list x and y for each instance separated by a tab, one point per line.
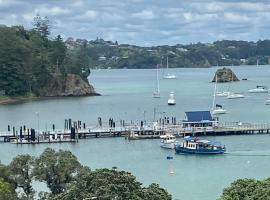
127	94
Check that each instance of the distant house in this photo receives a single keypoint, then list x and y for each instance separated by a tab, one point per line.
182	49
198	119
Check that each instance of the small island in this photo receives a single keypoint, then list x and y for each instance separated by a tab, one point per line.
224	75
34	65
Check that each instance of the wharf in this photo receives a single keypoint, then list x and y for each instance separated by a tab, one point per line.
130	131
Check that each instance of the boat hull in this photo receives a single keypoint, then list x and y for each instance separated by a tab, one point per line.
167	145
183	150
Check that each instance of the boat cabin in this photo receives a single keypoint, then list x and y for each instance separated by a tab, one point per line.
198	119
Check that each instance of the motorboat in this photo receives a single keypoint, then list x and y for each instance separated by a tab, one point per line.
167	141
191	145
171	100
235	96
169	76
259	89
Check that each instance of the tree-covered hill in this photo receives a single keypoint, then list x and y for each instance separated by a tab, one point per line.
30	60
107	54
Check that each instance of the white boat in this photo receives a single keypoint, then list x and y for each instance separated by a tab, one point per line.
259	89
171	100
222	94
169	76
216	108
235	96
156	93
267	101
167	141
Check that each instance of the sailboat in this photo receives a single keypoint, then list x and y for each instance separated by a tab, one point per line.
156	93
217	108
169	76
233	95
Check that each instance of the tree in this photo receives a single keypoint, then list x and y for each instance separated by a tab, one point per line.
21	172
42	25
247	189
7	192
106	184
56	168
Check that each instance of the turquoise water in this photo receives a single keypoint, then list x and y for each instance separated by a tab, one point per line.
127	94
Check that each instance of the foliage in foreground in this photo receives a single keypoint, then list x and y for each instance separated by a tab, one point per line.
247	189
67	179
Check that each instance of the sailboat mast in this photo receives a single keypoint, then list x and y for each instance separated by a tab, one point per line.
215	90
157	80
167	63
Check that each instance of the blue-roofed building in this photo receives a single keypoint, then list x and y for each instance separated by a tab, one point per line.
198	119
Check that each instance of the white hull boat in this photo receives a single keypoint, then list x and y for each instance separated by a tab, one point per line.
218	111
235	96
258	89
267	101
222	94
167	141
169	76
171	100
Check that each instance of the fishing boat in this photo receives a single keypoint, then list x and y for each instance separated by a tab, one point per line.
217	108
259	89
191	145
167	141
169	76
171	100
156	93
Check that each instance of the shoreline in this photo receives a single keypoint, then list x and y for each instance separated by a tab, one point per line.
21	99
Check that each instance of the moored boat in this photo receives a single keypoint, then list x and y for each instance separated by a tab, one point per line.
167	141
259	89
171	100
191	145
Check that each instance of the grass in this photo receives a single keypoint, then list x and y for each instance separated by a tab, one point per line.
12	99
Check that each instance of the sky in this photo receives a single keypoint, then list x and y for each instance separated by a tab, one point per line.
146	22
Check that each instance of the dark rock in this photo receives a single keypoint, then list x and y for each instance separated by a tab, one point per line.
225	75
71	85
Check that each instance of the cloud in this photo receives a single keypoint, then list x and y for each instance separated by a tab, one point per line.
142	22
52	11
144	14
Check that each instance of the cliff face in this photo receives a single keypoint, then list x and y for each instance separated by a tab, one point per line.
224	75
71	85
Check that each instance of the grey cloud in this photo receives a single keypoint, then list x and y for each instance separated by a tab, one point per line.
146	22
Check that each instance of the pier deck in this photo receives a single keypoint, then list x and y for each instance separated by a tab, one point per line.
131	131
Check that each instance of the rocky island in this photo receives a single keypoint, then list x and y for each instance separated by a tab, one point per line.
33	65
224	75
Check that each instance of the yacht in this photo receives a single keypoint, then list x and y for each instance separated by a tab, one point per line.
192	145
216	108
171	100
235	96
167	141
169	76
259	89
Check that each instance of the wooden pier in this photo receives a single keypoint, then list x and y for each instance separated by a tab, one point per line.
142	130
